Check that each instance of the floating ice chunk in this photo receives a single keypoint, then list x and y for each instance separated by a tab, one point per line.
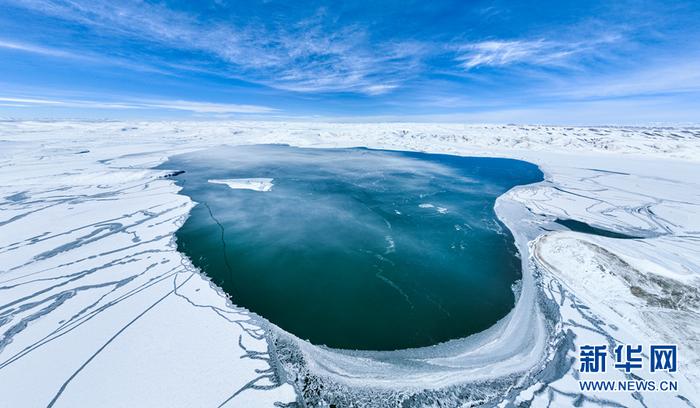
441	210
390	245
257	184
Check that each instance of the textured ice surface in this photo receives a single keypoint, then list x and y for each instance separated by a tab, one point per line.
98	309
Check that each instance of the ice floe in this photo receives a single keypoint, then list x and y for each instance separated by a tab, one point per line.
256	184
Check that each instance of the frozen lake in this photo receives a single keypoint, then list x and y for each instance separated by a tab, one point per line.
101	309
355	248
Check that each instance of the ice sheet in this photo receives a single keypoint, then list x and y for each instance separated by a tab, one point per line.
97	308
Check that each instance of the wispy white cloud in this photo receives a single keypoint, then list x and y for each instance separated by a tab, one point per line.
180	105
499	52
312	55
538	51
54	52
379	89
207	107
36	49
306	56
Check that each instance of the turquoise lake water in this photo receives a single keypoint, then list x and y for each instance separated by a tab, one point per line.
356	248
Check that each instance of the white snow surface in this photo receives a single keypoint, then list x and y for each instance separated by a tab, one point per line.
97	307
255	184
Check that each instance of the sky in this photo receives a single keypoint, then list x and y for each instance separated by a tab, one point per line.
493	61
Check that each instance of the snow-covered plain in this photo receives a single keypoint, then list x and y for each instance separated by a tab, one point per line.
97	307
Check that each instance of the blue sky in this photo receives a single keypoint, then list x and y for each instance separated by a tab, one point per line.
558	62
